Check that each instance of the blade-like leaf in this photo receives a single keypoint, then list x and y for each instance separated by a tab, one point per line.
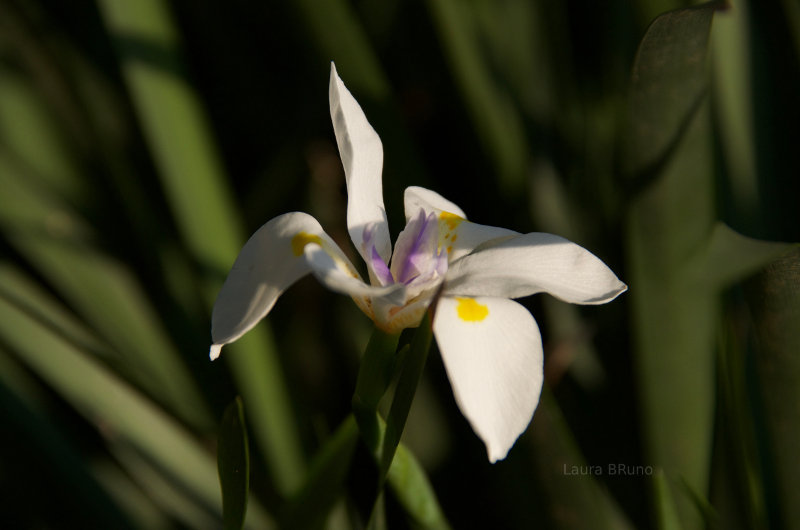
578	501
374	376
492	111
666	150
666	513
116	408
405	391
196	189
728	257
668	82
325	482
774	299
101	289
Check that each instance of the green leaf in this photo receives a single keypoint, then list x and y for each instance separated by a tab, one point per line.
668	83
118	411
667	151
233	464
309	509
374	376
774	300
666	513
413	490
493	113
728	257
341	37
181	144
101	289
580	499
405	391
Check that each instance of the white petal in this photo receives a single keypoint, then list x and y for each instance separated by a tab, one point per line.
492	352
457	236
533	263
362	157
331	274
270	261
416	198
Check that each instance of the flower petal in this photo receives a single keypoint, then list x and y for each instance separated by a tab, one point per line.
270	261
330	273
533	263
492	352
362	157
457	236
416	198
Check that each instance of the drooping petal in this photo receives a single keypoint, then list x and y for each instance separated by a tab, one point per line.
492	352
331	274
270	261
362	157
534	263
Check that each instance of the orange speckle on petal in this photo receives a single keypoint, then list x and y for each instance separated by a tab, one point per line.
471	311
452	220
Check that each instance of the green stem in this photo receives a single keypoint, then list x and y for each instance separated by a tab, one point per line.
374	376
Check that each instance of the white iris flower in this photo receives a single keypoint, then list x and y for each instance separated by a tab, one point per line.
490	344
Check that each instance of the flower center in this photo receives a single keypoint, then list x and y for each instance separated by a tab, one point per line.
417	261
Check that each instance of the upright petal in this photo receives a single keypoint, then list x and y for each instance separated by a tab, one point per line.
533	263
270	261
362	157
417	198
492	352
457	236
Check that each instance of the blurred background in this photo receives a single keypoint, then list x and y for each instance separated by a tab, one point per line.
142	142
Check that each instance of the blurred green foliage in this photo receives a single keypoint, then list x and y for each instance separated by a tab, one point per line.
141	142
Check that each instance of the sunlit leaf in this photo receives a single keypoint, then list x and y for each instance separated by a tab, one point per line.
201	201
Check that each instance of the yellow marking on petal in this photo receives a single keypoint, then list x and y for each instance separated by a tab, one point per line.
448	222
302	239
471	311
450	249
451	219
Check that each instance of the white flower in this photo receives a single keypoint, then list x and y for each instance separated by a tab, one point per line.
490	344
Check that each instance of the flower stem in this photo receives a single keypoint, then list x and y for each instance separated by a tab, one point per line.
374	376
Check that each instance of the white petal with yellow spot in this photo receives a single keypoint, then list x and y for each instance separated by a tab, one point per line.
492	352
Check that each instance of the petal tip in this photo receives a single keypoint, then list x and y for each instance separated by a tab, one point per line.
214	351
496	454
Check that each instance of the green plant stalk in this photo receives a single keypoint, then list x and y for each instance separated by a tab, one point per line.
374	376
407	384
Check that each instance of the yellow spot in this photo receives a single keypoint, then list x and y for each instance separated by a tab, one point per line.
451	219
450	249
301	240
471	311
